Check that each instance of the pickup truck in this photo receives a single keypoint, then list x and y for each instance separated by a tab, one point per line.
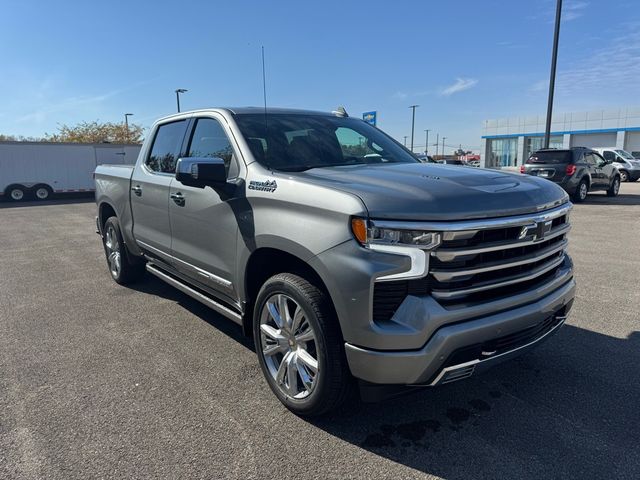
355	267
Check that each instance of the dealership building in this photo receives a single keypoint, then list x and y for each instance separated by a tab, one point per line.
509	142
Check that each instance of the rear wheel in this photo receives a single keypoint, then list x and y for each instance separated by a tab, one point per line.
615	188
300	347
624	176
581	192
122	267
42	192
16	193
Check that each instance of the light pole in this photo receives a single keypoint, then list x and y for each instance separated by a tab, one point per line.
426	143
443	139
552	79
437	142
413	122
126	124
405	140
178	92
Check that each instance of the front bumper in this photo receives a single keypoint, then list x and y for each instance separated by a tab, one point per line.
431	364
634	174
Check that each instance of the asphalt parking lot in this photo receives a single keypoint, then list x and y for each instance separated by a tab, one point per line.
103	381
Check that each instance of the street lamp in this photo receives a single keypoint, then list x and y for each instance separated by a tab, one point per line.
405	140
178	92
552	79
413	122
437	143
443	139
126	124
426	143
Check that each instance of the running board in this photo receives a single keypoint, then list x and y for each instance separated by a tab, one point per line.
184	288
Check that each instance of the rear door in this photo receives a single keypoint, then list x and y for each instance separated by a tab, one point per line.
598	178
203	224
150	190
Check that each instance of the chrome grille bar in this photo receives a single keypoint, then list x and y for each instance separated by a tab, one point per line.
451	254
460	293
457	274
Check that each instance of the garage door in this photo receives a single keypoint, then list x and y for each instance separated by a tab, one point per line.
592	140
632	143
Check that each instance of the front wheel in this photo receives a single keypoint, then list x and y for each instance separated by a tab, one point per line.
615	188
17	193
624	176
300	347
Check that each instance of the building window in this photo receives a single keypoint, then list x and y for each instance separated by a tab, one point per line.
533	144
503	152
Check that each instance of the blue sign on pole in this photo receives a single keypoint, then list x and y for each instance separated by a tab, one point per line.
370	117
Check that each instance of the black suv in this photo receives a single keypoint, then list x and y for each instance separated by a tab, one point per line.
578	170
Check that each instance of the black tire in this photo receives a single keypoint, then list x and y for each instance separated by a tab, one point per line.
614	189
42	192
624	176
16	193
335	385
130	268
580	194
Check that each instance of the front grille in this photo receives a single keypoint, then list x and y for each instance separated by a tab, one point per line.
483	261
490	263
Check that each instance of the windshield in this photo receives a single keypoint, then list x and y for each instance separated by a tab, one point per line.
625	155
549	156
299	142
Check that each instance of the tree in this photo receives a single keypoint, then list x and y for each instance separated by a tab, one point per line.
97	132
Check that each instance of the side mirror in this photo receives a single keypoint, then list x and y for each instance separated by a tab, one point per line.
201	172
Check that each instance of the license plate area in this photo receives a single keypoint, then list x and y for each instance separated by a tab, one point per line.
544	173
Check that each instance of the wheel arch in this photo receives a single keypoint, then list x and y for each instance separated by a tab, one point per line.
105	210
265	262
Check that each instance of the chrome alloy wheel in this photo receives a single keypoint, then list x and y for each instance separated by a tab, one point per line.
113	251
616	186
289	346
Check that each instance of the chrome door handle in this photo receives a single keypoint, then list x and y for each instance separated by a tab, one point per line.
178	198
137	190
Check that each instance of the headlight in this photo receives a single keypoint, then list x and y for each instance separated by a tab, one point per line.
368	235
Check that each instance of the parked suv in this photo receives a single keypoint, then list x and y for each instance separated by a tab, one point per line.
627	164
578	170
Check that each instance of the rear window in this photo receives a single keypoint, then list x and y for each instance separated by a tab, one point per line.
562	156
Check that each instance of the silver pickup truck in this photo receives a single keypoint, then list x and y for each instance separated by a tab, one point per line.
348	261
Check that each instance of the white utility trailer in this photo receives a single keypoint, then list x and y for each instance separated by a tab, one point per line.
40	169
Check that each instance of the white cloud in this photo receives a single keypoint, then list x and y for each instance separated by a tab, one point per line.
573	10
459	85
611	68
400	95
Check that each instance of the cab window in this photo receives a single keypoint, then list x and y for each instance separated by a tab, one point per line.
210	140
166	147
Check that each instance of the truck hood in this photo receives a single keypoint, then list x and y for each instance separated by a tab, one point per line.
418	191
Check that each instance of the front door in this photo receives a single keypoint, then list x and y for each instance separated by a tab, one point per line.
150	190
203	224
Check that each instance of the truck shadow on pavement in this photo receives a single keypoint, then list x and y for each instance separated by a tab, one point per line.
568	409
153	286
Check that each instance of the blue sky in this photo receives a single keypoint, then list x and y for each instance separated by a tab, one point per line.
461	61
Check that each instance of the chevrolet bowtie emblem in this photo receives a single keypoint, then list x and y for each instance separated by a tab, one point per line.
538	229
